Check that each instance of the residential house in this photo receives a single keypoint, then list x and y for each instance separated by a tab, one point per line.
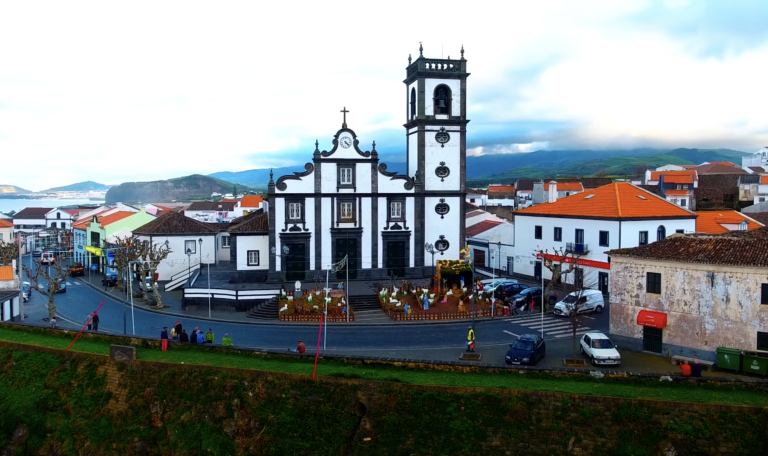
762	190
524	192
689	294
61	218
501	195
476	196
717	222
248	205
541	190
594	182
588	224
191	243
80	234
31	219
491	240
105	229
10	293
211	211
758	161
718	191
677	187
749	188
249	247
6	231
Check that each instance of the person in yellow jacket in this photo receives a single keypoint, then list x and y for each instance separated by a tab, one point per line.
471	340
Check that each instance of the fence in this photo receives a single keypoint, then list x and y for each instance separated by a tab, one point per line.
401	316
316	317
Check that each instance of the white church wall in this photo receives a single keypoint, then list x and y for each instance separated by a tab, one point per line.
389	185
413	155
305	185
435	155
410	214
382	221
429	90
363	178
260	244
366	222
328	178
309	207
327	255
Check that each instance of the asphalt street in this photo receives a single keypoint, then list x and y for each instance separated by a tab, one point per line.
80	300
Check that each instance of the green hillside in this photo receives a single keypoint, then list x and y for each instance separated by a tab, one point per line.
80	187
184	188
12	190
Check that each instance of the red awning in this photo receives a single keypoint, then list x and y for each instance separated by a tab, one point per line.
652	319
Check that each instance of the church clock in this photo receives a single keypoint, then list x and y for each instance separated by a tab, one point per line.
345	142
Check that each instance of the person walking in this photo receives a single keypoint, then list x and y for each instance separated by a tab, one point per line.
164	338
209	337
88	321
95	321
226	341
184	337
471	340
178	330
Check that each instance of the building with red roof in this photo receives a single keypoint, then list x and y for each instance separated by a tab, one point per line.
718	222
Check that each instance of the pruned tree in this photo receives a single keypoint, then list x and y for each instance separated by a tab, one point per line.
150	257
601	173
9	251
125	251
576	300
43	273
554	263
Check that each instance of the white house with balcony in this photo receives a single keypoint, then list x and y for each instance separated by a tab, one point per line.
588	224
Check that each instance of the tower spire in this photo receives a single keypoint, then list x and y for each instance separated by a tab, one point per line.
462	52
421	50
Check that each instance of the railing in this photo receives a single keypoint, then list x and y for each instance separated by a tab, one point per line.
438	65
181	277
230	295
576	247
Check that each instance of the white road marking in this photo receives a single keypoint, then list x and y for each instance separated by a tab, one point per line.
578	333
511	334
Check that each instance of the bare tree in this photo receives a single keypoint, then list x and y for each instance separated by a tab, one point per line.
150	257
554	263
601	173
9	251
125	251
584	279
43	272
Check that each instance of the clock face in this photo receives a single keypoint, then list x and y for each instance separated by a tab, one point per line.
345	142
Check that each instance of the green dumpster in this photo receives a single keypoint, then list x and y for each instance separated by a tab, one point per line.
728	358
755	362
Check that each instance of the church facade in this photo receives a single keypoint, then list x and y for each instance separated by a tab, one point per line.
347	204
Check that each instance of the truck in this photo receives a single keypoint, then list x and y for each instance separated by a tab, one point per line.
76	269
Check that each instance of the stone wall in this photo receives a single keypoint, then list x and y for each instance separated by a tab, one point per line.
85	404
702	313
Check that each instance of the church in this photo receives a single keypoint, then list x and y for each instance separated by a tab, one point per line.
347	204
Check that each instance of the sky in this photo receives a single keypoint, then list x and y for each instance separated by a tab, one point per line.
146	90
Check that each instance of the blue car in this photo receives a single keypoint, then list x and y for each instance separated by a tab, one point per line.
527	349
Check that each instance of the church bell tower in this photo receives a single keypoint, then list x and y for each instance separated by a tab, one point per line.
436	128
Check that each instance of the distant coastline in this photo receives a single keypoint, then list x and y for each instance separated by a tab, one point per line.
18	203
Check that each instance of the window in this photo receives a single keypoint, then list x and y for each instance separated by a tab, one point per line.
762	340
680	231
683	202
743	226
225	242
253	257
685	187
661	233
653	282
413	103
442	100
396	210
345	177
537	232
579	234
679	187
53	224
558	234
345	211
762	200
764	294
294	211
603	239
63	225
190	247
471	200
1	236
58	215
643	238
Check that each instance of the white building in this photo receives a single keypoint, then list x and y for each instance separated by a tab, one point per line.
346	203
10	295
757	160
211	211
492	240
543	190
6	231
31	219
588	224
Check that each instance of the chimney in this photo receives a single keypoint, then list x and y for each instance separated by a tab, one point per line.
552	192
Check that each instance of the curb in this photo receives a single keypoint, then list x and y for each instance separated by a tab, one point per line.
280	323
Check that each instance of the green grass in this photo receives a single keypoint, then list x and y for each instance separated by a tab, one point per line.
732	394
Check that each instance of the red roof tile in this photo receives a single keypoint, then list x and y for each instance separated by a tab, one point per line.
5	224
618	200
674	177
112	218
251	201
712	222
763	180
32	212
676	192
474	213
481	227
6	273
501	189
566	186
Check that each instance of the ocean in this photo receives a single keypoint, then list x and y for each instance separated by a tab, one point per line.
17	204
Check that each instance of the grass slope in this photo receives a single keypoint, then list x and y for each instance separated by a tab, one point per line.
80	187
613	387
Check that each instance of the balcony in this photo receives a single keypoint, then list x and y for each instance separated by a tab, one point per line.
577	248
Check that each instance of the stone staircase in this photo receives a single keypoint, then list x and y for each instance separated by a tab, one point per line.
368	309
265	310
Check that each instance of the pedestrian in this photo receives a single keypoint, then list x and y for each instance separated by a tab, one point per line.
696	369
52	323
193	336
178	329
200	338
184	337
95	321
209	337
471	340
300	349
88	321
164	338
685	369
531	302
226	341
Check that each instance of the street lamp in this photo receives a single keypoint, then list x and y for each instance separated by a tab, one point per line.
286	251
200	241
189	264
431	249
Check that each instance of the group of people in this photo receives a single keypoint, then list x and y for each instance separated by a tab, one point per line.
690	370
92	320
178	333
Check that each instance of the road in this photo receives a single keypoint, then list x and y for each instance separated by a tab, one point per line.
80	300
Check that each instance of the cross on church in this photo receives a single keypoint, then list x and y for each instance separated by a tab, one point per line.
344	125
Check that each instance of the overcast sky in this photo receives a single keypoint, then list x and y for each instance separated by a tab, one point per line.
135	91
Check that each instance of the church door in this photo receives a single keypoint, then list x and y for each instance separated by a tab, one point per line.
396	259
295	262
346	247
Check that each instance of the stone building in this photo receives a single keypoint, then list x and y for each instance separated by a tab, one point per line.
689	294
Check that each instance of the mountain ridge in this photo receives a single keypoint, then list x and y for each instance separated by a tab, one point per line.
7	189
80	187
195	186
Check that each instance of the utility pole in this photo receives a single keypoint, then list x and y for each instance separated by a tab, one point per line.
21	281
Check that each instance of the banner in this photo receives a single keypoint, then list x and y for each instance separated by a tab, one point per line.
93	250
339	266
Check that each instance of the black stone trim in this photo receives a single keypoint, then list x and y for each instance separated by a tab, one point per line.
346	233
296	238
442	244
429	121
442	208
404	236
419	239
272	230
408	185
445	193
374	231
402	218
295	222
346	164
318	230
434	75
355	143
282	186
442	171
355	213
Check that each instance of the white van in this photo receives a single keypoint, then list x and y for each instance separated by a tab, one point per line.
585	300
47	258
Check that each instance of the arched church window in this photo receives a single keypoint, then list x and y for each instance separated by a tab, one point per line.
442	99
413	103
661	233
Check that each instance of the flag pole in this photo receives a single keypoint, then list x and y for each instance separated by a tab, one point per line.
325	301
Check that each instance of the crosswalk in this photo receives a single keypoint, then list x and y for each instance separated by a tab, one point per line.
553	326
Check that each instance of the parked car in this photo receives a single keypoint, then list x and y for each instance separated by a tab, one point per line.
62	287
48	258
37	253
527	349
508	289
599	348
109	280
26	291
487	282
525	296
76	269
584	300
